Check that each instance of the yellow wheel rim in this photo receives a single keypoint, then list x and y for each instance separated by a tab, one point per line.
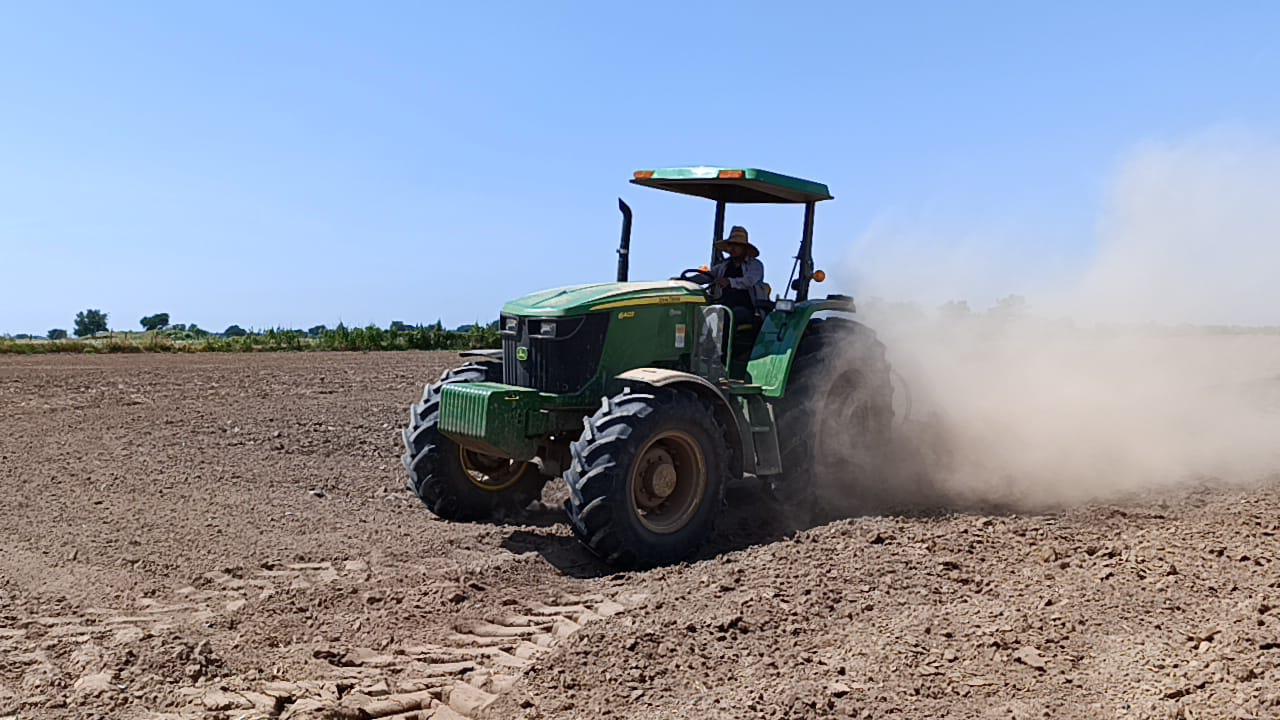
489	473
667	482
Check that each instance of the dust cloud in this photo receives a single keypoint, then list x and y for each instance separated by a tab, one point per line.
1151	366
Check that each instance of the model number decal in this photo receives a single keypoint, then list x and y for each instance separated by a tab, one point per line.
680	335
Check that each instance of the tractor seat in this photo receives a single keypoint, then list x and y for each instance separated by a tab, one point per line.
744	335
765	306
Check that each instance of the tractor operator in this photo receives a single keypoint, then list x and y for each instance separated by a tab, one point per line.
740	277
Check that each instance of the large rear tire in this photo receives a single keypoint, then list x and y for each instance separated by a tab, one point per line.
459	484
647	478
835	420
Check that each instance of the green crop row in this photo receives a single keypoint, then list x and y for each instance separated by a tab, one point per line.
341	338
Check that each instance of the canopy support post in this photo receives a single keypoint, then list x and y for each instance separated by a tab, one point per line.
806	255
717	234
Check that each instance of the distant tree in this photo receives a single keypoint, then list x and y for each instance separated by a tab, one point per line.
439	326
89	322
397	326
57	334
954	309
1010	305
154	322
465	328
23	336
316	330
178	327
196	330
234	331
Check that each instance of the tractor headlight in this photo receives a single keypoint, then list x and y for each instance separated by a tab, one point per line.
547	328
511	324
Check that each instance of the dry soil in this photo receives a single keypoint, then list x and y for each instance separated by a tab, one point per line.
214	536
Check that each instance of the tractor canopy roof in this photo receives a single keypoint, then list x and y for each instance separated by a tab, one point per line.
734	185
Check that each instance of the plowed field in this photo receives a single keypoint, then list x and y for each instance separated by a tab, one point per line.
214	536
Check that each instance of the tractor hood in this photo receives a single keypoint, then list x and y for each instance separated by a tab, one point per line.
580	299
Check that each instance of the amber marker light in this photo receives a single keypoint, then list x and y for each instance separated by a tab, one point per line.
819	276
730	174
643	174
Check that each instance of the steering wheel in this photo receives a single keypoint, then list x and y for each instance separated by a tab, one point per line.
703	278
695	275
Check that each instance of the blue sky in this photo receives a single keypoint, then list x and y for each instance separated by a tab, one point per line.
299	163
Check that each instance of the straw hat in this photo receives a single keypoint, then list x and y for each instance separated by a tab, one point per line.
738	236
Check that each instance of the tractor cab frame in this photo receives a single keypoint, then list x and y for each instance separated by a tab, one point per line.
739	186
726	186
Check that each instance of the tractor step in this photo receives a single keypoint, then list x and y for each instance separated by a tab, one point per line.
765	434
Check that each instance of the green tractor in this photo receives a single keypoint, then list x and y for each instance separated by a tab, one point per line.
649	399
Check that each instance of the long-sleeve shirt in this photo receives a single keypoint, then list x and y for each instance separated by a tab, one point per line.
752	279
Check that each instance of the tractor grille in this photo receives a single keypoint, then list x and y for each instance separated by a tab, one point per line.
562	361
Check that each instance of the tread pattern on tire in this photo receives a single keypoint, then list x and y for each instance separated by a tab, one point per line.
601	460
828	346
430	457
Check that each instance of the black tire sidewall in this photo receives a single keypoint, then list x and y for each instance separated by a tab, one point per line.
434	464
602	466
454	485
669	547
830	348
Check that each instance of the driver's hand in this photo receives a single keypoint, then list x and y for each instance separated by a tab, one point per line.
722	282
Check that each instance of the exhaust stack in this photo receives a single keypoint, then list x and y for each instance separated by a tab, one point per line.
624	245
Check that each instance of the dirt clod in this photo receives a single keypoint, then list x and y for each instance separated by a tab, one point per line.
1030	657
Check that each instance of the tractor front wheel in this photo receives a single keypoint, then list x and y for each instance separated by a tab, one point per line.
456	483
647	478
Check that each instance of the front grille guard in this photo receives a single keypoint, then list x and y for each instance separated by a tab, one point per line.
563	363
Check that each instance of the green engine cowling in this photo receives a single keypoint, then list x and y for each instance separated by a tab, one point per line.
551	380
562	350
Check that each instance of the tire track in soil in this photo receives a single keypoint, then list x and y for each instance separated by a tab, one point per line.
245	550
477	662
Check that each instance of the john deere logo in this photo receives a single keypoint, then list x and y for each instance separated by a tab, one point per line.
522	354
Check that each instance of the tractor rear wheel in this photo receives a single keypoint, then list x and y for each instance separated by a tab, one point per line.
647	478
836	416
456	483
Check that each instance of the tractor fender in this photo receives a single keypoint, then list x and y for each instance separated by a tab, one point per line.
779	339
703	388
